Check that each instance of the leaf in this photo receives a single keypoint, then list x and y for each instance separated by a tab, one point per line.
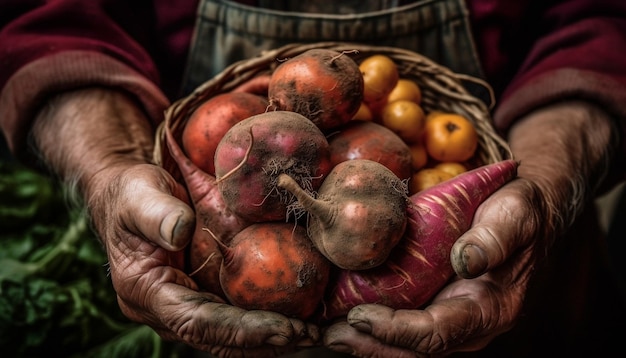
25	195
15	271
125	345
55	295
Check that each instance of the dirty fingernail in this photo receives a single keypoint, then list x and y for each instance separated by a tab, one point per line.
362	326
474	260
341	348
277	340
180	229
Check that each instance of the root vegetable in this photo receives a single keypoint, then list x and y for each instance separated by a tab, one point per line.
205	257
274	266
373	141
256	150
323	85
359	215
256	85
420	264
210	121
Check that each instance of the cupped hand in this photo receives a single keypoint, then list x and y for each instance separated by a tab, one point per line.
494	261
565	151
100	142
143	220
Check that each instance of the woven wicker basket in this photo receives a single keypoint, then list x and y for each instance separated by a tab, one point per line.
441	88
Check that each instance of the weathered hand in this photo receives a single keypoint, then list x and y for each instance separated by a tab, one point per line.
565	152
141	224
466	314
100	142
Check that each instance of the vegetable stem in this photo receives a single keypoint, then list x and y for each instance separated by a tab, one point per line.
59	258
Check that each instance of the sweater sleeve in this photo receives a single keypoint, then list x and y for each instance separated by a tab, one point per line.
68	44
580	53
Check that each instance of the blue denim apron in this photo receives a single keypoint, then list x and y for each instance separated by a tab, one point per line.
228	31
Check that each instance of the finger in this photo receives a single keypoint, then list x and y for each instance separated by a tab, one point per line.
449	326
307	334
153	208
502	224
343	338
161	298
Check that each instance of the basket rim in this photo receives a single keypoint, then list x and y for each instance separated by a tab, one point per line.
441	80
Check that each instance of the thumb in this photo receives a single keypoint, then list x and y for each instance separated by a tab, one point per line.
157	210
502	224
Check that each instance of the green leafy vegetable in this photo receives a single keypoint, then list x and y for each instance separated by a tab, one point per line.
55	295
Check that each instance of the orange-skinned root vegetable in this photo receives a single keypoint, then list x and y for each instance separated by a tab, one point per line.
210	121
256	85
368	140
360	213
274	266
323	85
256	150
205	257
420	265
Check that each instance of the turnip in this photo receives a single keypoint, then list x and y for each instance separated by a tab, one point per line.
360	213
420	264
212	119
256	85
256	150
368	140
323	85
274	266
212	214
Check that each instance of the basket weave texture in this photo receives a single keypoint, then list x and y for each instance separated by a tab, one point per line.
442	89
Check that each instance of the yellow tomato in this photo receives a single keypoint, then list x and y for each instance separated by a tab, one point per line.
405	118
380	75
450	138
454	168
432	114
405	89
427	177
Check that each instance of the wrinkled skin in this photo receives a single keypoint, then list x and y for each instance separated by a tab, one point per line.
98	141
466	314
512	231
140	214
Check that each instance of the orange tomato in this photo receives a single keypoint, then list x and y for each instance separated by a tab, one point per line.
405	118
454	168
427	177
419	155
405	89
364	113
433	114
450	138
380	75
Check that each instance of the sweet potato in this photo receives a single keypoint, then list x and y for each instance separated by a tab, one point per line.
420	264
